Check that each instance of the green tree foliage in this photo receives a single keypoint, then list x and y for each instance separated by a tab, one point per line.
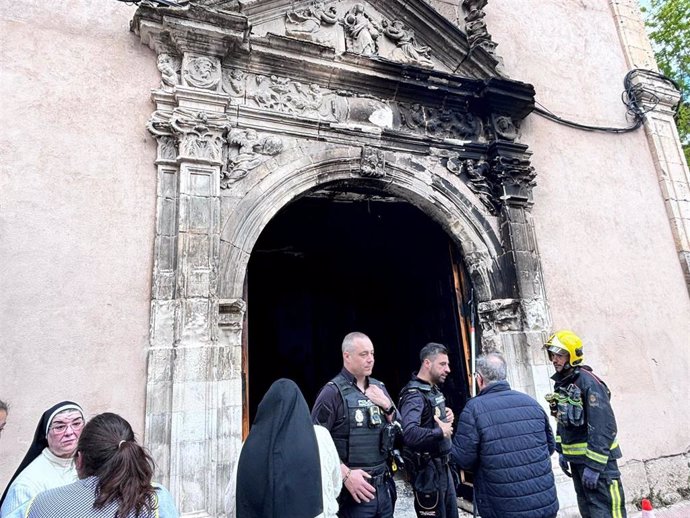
668	26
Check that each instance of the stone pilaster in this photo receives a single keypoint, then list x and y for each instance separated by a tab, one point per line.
516	325
662	133
188	424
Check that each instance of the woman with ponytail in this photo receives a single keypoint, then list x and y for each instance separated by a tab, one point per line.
115	475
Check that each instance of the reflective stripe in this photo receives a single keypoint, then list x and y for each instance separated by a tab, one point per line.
580	448
574	449
615	499
596	457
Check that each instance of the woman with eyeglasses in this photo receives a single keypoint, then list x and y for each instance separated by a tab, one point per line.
115	478
49	462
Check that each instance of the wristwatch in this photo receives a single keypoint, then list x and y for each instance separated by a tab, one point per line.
389	410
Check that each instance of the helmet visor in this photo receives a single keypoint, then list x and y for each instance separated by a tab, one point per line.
554	349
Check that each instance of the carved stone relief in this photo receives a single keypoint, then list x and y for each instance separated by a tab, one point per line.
169	67
247	150
201	72
442	123
285	95
453	124
515	176
313	24
373	163
475	173
233	84
361	31
504	127
200	133
500	316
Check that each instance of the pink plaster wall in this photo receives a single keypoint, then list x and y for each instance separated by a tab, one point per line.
77	202
610	264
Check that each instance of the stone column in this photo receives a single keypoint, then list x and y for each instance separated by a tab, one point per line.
662	133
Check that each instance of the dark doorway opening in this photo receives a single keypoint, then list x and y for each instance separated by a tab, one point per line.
324	267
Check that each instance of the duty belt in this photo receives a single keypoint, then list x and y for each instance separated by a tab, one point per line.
377	480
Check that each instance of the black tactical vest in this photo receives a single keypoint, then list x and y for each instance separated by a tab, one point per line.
436	407
359	445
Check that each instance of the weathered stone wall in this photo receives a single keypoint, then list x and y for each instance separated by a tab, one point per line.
77	202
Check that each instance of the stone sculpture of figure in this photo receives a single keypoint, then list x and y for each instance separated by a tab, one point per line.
361	30
408	50
166	65
308	23
253	150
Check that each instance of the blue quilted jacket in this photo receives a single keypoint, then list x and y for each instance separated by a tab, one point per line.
504	438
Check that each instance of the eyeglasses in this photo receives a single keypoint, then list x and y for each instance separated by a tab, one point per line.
60	428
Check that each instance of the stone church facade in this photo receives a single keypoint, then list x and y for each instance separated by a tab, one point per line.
258	107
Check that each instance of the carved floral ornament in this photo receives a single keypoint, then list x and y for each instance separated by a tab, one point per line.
502	180
359	31
208	137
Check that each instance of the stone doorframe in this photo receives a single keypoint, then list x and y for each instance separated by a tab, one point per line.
232	152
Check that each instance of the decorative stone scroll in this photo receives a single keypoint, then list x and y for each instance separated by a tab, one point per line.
373	163
246	151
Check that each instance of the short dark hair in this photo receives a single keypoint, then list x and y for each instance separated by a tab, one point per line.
4	406
432	349
492	367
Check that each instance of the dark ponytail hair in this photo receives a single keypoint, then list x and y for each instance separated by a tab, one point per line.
109	451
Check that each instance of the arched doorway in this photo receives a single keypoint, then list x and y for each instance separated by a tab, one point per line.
336	262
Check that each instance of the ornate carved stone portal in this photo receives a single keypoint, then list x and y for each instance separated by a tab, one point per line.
263	102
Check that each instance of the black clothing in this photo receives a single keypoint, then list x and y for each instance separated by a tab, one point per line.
361	442
426	450
606	501
40	441
586	435
504	438
594	442
278	471
343	409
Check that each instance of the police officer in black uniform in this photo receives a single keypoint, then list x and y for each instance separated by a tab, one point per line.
356	408
427	430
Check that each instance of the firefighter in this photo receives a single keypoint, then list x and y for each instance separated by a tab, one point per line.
586	433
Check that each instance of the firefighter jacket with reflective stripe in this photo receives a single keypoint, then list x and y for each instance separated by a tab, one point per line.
359	445
593	439
420	431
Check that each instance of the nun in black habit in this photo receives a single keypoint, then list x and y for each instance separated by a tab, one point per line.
41	468
280	471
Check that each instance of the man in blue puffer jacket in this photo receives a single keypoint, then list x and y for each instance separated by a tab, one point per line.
504	438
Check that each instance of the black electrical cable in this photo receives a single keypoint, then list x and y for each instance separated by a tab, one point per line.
639	99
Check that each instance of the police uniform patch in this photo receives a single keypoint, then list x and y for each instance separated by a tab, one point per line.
359	417
593	399
437	412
